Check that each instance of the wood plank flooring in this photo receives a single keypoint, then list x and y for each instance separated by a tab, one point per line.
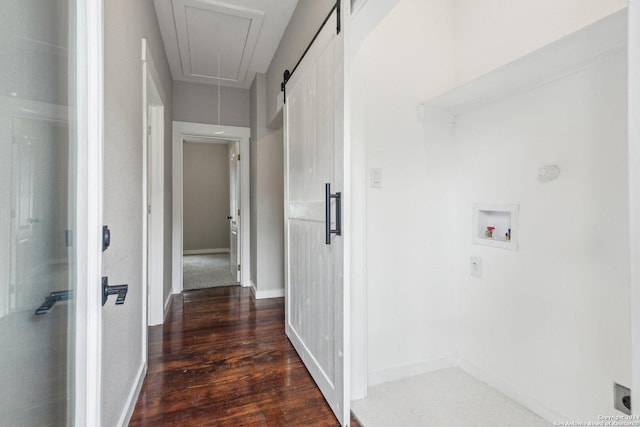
222	359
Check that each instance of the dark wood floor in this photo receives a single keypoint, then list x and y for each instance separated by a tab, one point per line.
222	359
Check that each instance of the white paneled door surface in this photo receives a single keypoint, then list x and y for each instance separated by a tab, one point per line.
38	152
234	206
316	316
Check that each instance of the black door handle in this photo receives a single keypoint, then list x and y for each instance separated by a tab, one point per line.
327	204
52	299
106	237
119	290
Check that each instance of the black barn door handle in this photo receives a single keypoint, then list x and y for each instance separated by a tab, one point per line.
327	204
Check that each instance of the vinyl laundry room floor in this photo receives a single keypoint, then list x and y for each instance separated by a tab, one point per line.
447	397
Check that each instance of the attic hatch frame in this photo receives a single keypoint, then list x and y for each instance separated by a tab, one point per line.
287	74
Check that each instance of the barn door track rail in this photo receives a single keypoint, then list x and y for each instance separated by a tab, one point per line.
287	74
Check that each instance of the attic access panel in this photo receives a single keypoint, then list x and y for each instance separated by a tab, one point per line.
207	31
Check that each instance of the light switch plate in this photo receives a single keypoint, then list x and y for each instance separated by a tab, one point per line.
475	266
375	178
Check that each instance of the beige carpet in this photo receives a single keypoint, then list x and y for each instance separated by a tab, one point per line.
206	271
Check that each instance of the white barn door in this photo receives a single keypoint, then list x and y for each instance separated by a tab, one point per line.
316	316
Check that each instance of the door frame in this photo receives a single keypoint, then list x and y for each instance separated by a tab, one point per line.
234	202
89	99
203	130
155	306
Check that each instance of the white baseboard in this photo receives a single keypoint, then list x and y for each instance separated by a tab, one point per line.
167	305
130	405
393	374
274	293
513	392
206	251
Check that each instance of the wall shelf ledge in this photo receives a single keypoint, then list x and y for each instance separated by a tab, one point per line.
551	62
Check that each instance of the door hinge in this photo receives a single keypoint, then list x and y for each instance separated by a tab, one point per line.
149	130
148	209
238	212
238	267
238	157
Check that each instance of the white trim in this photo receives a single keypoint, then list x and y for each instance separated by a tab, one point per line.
181	25
167	306
406	371
89	129
132	398
634	195
206	251
233	133
355	128
153	191
515	393
272	293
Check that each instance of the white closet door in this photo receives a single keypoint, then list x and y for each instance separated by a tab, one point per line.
316	312
41	213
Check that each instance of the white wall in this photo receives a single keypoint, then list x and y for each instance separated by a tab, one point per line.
414	261
410	285
198	103
267	202
491	33
551	319
125	24
304	23
206	196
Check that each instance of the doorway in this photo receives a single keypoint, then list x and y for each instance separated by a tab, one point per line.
316	195
210	254
219	262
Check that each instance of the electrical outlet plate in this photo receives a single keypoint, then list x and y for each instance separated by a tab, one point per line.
475	265
619	394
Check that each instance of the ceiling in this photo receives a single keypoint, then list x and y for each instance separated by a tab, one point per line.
226	41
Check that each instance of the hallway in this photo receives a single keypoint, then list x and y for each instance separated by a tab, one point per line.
207	271
222	359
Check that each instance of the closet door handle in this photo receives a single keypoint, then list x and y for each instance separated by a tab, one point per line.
120	291
52	299
327	204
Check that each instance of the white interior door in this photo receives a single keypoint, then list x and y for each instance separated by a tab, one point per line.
234	203
154	226
316	313
38	149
